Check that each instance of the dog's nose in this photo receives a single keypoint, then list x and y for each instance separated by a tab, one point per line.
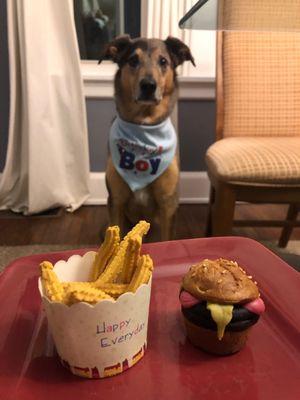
148	86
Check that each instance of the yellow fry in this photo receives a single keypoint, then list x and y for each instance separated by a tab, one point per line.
106	250
46	265
115	266
51	284
88	295
131	258
112	289
139	229
142	273
71	286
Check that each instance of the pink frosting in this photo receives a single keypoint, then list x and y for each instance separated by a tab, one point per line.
256	306
187	300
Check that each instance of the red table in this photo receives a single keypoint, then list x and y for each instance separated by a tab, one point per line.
267	368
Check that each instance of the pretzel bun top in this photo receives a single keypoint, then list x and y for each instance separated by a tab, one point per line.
220	281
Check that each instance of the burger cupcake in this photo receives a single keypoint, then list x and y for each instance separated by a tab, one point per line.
220	303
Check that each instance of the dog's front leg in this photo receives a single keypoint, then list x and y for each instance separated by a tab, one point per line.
118	197
167	214
165	190
116	213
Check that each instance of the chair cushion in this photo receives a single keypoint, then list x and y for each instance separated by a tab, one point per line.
272	160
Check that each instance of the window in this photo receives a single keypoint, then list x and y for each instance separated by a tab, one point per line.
99	21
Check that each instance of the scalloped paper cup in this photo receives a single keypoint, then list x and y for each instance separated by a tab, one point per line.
105	339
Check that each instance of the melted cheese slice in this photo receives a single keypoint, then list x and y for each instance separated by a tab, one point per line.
222	315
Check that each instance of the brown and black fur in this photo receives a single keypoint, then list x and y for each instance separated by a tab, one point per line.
145	94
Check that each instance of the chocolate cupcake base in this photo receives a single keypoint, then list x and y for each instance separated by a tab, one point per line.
207	340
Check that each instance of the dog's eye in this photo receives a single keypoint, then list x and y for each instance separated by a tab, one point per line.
134	61
163	61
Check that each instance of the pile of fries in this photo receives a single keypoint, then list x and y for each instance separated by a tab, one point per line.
118	268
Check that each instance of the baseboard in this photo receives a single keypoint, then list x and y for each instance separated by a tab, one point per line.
193	188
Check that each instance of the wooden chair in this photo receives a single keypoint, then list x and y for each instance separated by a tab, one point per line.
256	157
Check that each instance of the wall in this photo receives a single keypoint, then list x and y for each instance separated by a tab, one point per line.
196	125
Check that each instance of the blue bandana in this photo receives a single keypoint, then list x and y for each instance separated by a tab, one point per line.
141	153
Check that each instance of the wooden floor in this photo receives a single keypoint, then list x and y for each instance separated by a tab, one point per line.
86	224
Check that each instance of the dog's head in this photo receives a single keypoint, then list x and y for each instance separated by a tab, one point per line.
146	66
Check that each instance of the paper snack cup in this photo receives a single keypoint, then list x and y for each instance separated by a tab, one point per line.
105	339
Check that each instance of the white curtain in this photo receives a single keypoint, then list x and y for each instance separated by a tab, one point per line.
161	19
47	162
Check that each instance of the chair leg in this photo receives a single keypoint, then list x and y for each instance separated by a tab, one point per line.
223	211
287	230
208	229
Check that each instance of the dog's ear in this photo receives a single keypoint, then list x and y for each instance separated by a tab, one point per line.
116	49
178	51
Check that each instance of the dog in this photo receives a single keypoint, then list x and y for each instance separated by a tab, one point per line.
142	171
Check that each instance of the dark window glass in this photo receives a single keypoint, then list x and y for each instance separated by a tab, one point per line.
99	21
